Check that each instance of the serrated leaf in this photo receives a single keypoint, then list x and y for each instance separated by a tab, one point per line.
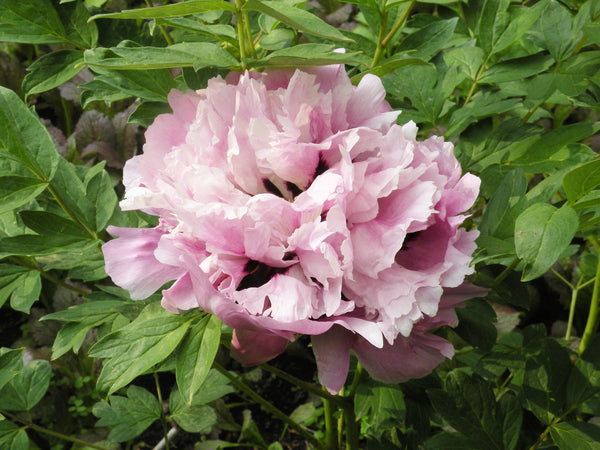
175	10
542	233
135	348
195	356
296	18
23	138
130	415
52	70
18	191
576	436
26	389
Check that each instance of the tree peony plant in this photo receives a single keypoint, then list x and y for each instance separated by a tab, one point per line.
290	202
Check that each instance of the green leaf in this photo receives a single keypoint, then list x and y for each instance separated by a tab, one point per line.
296	18
504	206
52	70
469	406
135	348
545	381
194	418
304	55
30	22
23	137
389	66
26	389
10	279
582	180
153	85
13	437
196	54
100	192
556	28
493	21
576	436
195	356
476	323
584	378
99	91
175	10
516	69
469	59
43	222
521	20
18	191
79	30
379	404
11	361
542	233
428	40
82	318
448	441
146	112
27	291
130	415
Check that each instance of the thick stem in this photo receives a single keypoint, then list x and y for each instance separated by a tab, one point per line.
352	432
592	321
268	407
380	38
331	440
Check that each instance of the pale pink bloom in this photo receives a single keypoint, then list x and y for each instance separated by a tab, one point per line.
291	203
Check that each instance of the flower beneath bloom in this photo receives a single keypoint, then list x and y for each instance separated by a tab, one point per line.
291	203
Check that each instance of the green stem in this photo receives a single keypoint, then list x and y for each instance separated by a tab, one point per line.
331	441
163	419
401	21
352	432
544	434
592	321
561	278
56	434
310	387
506	272
162	28
380	37
574	293
267	406
476	80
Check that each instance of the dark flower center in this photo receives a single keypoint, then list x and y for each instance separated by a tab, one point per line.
258	274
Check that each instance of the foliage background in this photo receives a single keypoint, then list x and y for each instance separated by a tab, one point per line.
516	87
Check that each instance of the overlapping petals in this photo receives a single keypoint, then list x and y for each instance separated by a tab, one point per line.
291	203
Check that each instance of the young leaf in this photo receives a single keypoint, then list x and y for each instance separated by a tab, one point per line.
175	10
542	233
135	348
130	415
26	389
23	138
195	356
296	18
52	70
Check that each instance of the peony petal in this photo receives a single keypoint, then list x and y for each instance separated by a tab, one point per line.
252	347
131	263
332	352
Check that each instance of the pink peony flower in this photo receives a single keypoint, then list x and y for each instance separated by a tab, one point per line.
290	202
